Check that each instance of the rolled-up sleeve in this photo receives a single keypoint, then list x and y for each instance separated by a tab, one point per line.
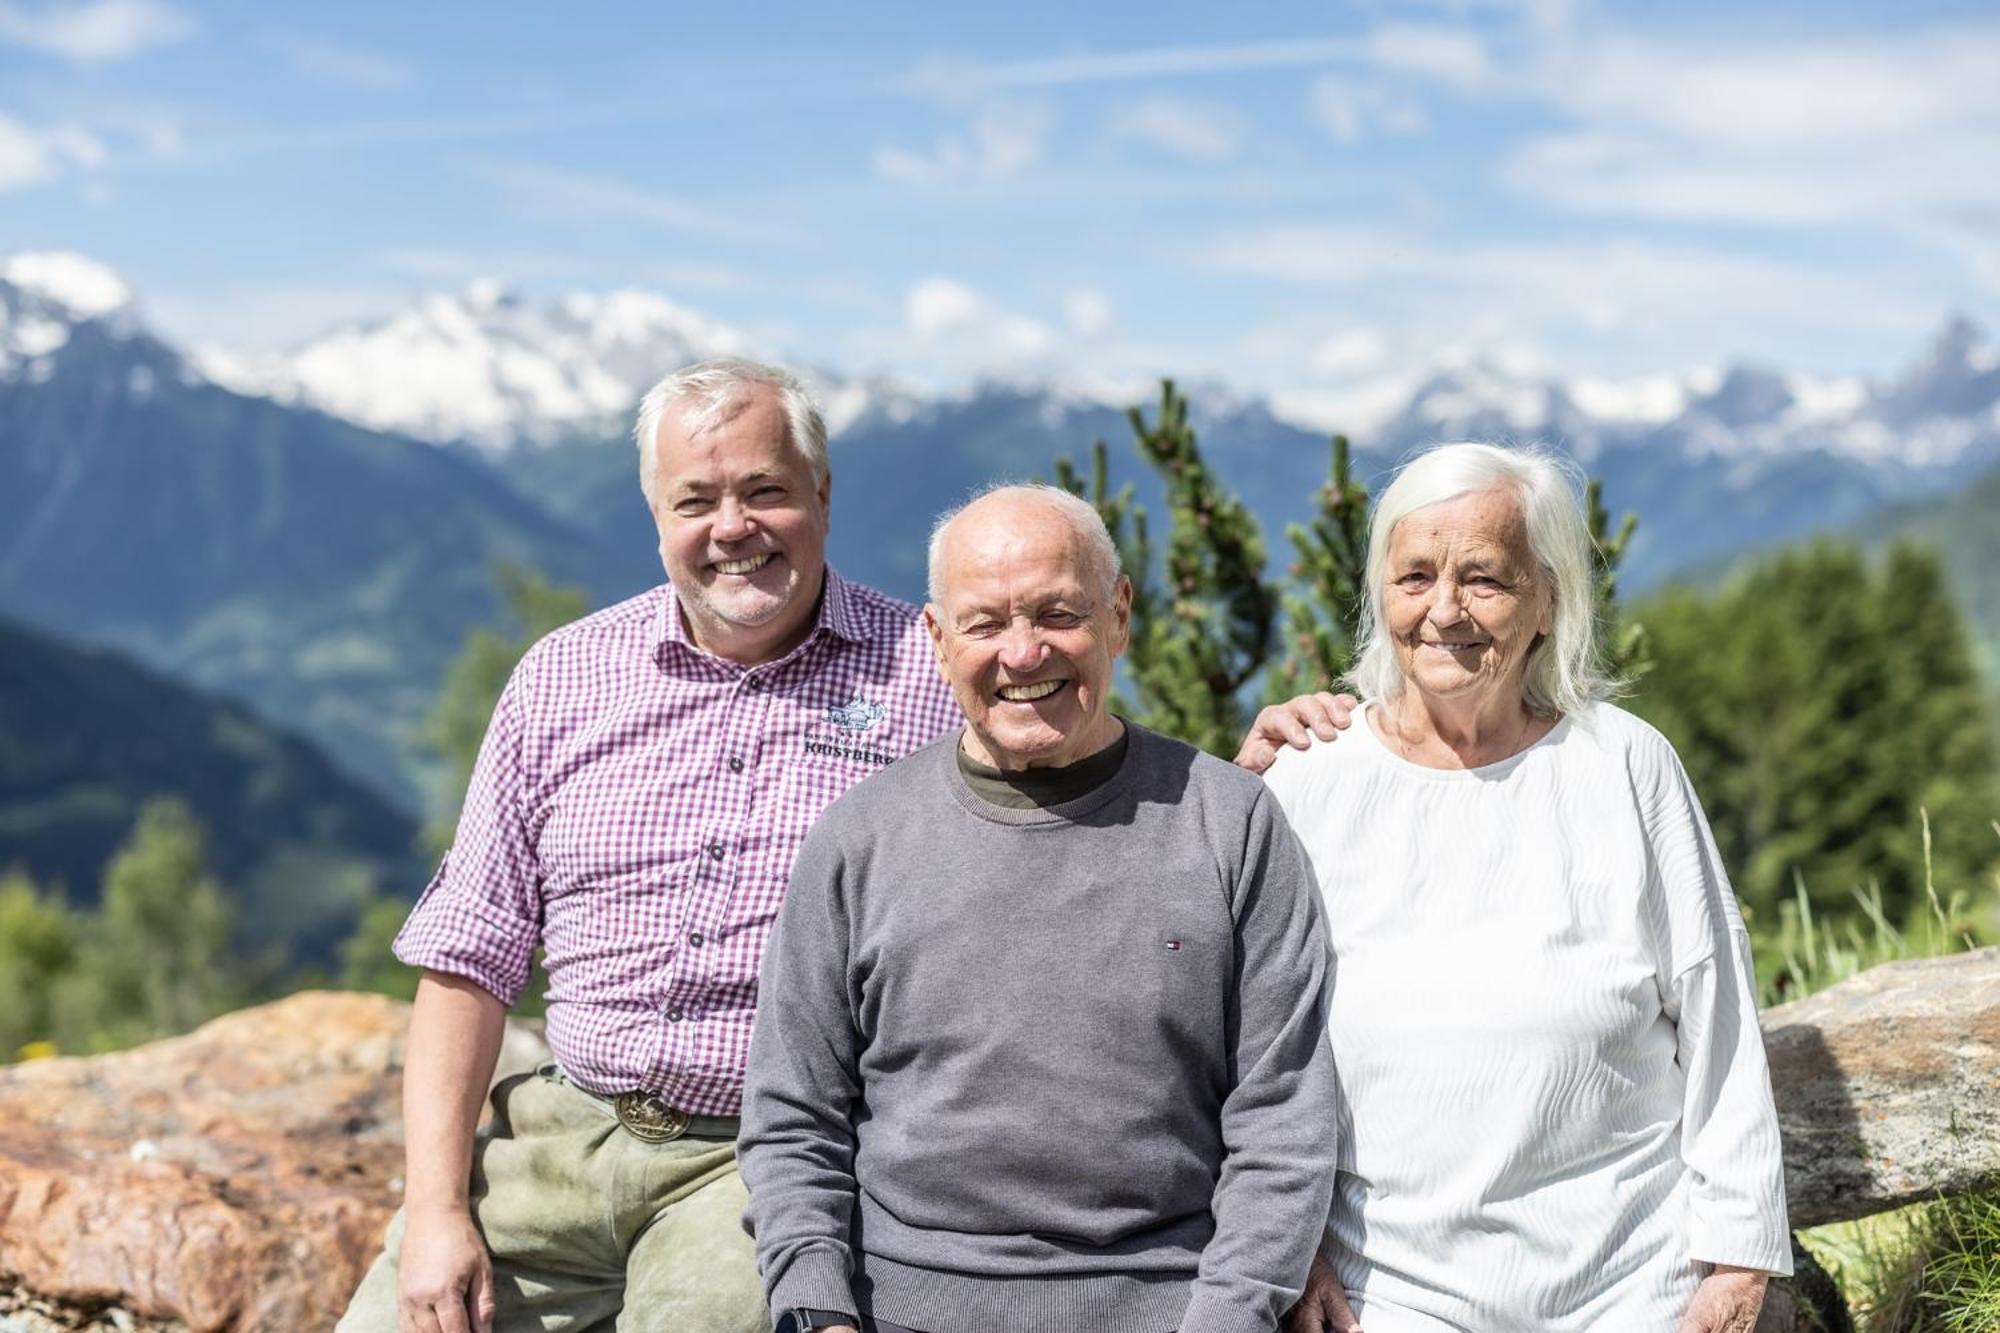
480	916
1729	1122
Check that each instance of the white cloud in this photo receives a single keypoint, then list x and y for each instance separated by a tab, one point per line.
1089	312
1584	297
1348	354
954	321
1002	140
1453	56
940	306
577	196
1351	111
1197	131
35	156
950	78
346	66
93	32
1898	129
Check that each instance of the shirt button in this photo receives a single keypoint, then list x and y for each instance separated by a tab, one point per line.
735	763
695	938
674	1014
715	850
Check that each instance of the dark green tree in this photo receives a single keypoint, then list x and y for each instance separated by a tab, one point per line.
155	960
38	945
1624	641
1218	626
1322	602
1820	707
1199	639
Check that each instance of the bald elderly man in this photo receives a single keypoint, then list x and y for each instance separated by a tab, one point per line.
1039	1042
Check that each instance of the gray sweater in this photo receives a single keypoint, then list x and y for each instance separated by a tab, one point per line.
1048	1071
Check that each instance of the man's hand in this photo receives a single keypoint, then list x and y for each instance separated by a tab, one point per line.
1727	1301
444	1276
1323	1306
1294	722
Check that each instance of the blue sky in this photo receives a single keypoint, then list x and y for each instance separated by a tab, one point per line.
1308	200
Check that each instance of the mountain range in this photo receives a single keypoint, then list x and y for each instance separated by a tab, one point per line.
1717	459
315	533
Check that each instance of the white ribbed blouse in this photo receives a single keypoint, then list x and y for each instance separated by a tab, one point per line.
1553	1092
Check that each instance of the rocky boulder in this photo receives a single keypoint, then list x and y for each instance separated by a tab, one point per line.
1888	1087
238	1178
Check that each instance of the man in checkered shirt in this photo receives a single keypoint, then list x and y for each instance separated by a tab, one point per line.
648	776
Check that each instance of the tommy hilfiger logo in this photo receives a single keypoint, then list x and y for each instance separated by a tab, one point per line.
857	714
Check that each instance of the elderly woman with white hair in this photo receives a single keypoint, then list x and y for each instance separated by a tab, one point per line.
1555	1112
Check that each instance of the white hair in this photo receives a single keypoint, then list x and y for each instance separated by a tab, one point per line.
1081	515
1565	670
713	391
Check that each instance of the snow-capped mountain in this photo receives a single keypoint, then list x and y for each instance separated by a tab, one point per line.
486	368
1942	413
281	547
43	296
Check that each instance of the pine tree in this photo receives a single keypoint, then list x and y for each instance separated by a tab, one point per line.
1322	603
1937	736
1201	638
1821	708
38	944
155	960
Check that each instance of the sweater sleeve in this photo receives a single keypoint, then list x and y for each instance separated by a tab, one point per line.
1276	1183
1729	1123
796	1147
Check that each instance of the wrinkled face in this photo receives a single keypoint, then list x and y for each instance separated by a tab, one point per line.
1464	598
1026	635
743	527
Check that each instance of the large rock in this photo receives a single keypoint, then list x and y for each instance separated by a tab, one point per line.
237	1178
1888	1087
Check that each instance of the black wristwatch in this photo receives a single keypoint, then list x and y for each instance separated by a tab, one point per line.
812	1319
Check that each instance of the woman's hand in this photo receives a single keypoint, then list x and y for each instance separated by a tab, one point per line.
1727	1301
1323	1306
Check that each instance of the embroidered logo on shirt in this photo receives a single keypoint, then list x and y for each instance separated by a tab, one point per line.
857	714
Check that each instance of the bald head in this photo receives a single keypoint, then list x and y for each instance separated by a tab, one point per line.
1016	508
1028	614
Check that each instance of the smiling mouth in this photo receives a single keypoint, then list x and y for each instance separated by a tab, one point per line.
1452	647
1025	694
748	565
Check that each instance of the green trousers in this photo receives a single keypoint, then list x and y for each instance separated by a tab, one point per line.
592	1229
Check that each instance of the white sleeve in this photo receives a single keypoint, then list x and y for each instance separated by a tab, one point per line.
1729	1124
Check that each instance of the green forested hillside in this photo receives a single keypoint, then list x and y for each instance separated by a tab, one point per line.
87	737
1964	529
321	572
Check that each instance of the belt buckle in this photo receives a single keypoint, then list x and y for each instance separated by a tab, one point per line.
648	1119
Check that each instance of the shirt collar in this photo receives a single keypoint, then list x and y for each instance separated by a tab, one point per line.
838	615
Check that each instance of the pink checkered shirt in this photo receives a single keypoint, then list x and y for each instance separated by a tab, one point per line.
635	810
